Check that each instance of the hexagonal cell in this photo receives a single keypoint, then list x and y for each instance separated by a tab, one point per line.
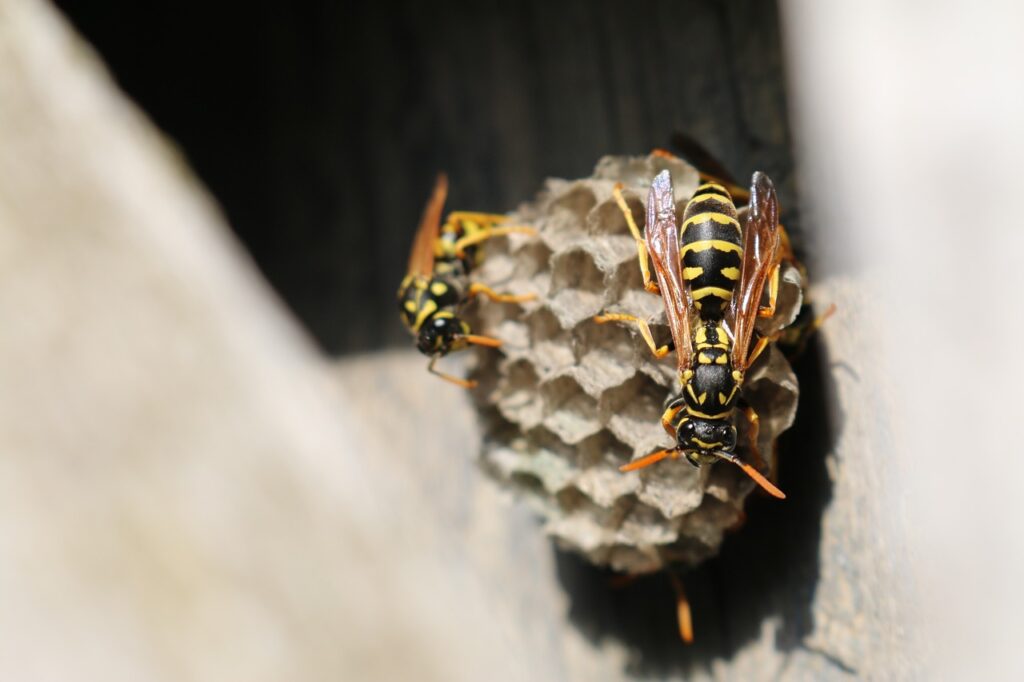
569	412
578	198
577	287
518	399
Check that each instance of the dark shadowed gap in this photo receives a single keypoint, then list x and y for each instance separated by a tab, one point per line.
319	126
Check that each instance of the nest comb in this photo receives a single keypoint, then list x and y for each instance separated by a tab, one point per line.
566	401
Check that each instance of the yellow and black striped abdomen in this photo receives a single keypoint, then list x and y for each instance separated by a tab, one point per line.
711	249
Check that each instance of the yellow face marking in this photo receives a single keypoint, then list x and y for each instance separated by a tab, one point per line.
707	446
706	244
704	359
693	273
714	197
428	309
702	397
730	273
719	218
721	359
438	288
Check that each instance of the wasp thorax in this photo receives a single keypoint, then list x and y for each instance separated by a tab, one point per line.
440	334
711	387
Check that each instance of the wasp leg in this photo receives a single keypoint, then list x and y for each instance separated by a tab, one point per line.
755	427
641	246
809	331
464	383
668	416
488	233
773	293
759	347
645	330
476	288
683	614
480	218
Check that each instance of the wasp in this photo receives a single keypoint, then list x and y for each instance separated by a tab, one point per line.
436	285
711	276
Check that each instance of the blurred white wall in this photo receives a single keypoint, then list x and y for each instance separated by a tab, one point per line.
908	117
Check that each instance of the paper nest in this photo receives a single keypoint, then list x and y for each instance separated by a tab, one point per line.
566	401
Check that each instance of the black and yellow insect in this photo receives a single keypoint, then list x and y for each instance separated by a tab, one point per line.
711	277
436	284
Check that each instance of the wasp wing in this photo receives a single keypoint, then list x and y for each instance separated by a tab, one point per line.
421	258
662	236
760	254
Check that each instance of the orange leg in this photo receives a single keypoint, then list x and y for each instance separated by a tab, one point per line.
773	294
484	235
645	330
759	347
641	246
479	218
464	383
667	417
752	432
480	289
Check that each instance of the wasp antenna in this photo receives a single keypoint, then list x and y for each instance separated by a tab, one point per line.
481	340
768	486
647	461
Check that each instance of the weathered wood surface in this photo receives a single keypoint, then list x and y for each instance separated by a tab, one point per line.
184	494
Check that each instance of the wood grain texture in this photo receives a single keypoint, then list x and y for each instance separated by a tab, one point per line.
320	126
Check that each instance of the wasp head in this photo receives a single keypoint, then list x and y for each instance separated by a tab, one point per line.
699	439
441	335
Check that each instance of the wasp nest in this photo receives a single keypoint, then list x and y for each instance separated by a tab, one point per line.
567	401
